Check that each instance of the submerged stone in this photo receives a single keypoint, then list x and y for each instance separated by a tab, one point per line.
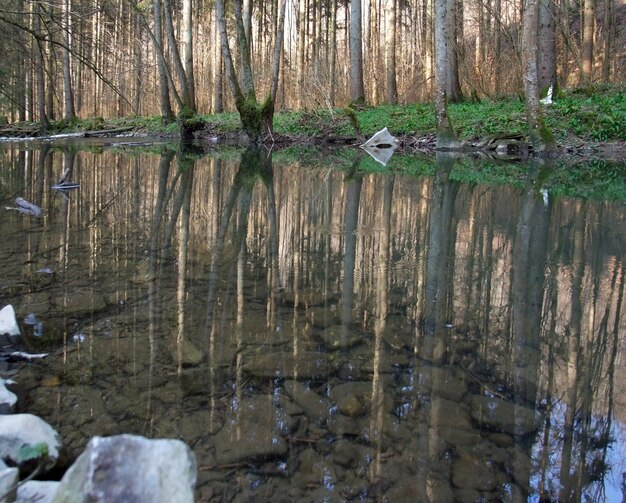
315	406
321	317
186	353
254	432
339	337
307	365
350	405
79	303
503	416
472	473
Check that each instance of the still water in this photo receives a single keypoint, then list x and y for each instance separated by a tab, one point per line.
319	333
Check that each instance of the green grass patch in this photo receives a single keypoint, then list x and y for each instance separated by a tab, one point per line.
574	116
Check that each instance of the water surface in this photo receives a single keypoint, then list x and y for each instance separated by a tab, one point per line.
318	333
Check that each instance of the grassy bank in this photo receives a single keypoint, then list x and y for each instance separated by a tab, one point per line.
575	117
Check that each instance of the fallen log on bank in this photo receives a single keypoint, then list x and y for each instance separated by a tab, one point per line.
33	130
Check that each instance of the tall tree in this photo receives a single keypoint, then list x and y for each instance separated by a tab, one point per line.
547	46
216	52
391	88
588	32
187	50
69	112
453	83
164	88
256	118
186	101
40	70
357	88
446	136
540	136
609	38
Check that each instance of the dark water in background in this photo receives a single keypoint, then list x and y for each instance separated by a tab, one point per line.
315	333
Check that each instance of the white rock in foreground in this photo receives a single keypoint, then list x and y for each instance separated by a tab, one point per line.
19	430
8	323
7	398
38	491
127	468
8	482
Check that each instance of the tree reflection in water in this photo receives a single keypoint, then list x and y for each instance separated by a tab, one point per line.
320	333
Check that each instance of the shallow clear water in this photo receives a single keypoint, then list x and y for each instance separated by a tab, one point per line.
316	333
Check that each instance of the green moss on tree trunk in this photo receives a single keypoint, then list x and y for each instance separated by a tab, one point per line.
256	119
541	138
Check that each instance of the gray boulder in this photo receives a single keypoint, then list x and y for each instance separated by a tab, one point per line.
126	468
8	482
316	407
507	417
256	433
39	491
21	430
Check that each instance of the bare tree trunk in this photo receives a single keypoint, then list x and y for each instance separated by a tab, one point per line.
218	93
185	88
453	84
187	50
540	136
391	90
497	47
69	112
301	51
333	53
138	56
164	88
547	46
446	137
588	28
357	88
609	39
40	71
20	70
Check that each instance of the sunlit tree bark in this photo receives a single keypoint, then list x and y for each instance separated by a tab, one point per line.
357	88
187	51
446	137
187	105
540	136
40	70
588	33
165	104
69	112
218	93
546	51
333	53
301	50
391	89
609	39
453	84
20	70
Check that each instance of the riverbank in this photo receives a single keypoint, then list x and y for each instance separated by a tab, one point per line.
586	124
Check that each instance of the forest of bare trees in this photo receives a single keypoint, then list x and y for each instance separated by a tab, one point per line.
105	58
